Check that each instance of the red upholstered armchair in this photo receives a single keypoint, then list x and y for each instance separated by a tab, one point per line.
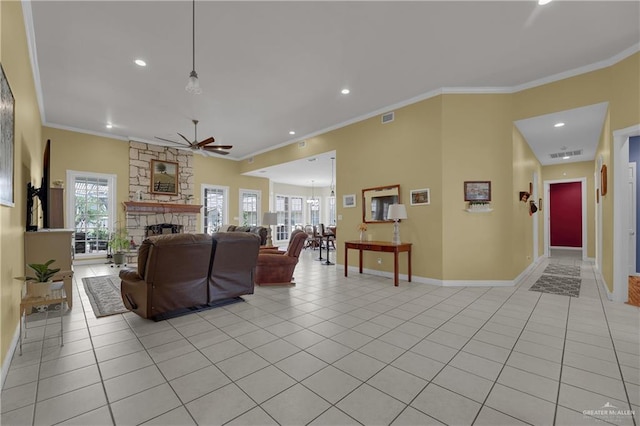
277	269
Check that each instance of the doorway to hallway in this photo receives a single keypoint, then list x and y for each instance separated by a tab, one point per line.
565	221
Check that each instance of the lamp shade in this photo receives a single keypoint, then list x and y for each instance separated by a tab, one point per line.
269	218
397	211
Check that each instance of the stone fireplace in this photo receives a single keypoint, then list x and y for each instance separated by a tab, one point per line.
159	212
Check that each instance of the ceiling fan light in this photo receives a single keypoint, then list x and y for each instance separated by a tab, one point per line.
193	86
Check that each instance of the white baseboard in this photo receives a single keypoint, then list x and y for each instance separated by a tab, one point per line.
9	356
566	248
433	281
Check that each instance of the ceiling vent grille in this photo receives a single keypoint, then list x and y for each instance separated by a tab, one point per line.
566	154
388	117
302	144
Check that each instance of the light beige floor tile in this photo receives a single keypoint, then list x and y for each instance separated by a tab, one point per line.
19	417
295	406
446	406
490	417
477	365
254	417
145	405
116	350
124	364
18	396
532	384
331	384
276	350
169	350
20	376
223	350
65	364
397	383
177	416
594	382
220	406
98	417
434	351
199	383
265	383
370	406
532	364
134	382
183	364
381	351
66	382
256	338
329	351
520	405
352	339
412	417
69	405
301	365
464	383
241	365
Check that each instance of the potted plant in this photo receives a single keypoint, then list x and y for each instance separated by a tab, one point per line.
39	285
119	243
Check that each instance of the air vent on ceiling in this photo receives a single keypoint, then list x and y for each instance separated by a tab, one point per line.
250	160
302	144
566	154
388	117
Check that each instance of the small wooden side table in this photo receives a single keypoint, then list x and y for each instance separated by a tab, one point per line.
55	295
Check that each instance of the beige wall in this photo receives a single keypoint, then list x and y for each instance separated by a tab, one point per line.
525	164
28	150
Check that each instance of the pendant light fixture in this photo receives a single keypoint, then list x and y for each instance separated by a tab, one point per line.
193	86
312	201
333	192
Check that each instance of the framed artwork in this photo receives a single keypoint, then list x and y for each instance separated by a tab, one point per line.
477	191
7	145
420	197
164	177
349	200
603	180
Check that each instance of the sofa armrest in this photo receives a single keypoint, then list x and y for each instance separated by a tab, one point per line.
129	274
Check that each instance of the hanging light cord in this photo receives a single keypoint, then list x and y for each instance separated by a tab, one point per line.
194	34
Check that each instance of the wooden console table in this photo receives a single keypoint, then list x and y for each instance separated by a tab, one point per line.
383	246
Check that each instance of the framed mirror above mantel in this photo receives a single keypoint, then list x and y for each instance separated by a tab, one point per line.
376	202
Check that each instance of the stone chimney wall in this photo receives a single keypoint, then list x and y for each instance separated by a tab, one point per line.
140	156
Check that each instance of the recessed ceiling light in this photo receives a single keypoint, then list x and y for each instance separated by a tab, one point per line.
566	157
140	63
291	132
543	2
560	124
345	91
109	126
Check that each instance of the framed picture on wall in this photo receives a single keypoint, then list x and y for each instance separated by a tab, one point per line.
6	141
349	200
420	197
164	177
477	190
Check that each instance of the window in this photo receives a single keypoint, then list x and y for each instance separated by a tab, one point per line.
214	207
250	207
91	202
282	210
297	212
314	212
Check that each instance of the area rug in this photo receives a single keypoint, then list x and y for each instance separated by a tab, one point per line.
566	286
104	295
567	270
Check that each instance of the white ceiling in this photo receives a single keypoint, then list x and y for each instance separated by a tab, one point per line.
270	67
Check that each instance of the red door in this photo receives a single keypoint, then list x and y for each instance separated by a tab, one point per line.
565	213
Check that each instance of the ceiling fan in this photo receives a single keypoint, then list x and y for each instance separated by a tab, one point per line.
203	145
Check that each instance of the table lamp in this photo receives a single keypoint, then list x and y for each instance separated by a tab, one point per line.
397	212
269	219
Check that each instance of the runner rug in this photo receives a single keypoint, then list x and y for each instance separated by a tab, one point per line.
104	295
559	279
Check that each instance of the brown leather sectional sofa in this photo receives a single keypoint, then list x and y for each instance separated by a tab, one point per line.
182	272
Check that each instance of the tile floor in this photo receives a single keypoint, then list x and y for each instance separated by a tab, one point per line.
339	351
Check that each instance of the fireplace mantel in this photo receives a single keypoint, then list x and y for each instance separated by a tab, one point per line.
134	207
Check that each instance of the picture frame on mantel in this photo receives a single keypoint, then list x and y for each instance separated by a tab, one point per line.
164	177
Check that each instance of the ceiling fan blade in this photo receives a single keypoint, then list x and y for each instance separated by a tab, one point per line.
214	150
188	141
207	141
220	146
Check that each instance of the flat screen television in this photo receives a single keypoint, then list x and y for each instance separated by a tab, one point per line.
41	193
